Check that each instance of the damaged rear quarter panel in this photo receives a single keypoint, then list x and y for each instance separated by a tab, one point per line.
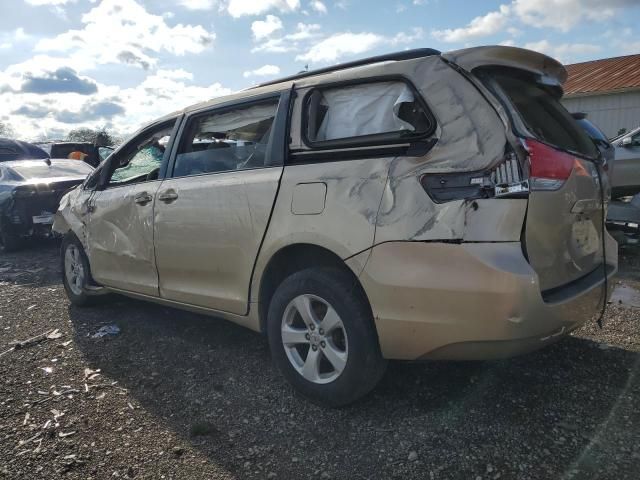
470	136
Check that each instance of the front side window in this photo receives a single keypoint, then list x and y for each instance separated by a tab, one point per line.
233	139
141	162
388	110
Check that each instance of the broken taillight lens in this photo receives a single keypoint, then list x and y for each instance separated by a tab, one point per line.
549	167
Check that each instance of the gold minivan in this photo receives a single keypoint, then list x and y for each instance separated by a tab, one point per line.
417	205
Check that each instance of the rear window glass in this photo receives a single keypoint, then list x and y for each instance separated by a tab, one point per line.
594	132
544	115
71	168
364	112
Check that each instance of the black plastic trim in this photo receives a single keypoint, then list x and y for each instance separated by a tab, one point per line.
312	156
571	289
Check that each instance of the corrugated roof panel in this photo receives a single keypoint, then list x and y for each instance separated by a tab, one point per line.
606	75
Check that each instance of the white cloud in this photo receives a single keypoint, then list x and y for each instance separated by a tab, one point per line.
198	4
239	8
264	28
133	34
564	52
566	14
341	44
345	44
489	24
264	71
54	114
49	2
291	42
318	6
405	38
561	15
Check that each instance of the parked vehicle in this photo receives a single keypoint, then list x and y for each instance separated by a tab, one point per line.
411	206
19	150
90	153
599	138
607	151
626	180
30	191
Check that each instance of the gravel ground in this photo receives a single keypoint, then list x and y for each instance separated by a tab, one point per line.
180	396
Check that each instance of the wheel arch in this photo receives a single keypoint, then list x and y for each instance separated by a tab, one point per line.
291	259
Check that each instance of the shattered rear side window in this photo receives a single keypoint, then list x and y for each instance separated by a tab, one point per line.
365	110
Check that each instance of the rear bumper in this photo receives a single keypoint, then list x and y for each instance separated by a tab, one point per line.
471	301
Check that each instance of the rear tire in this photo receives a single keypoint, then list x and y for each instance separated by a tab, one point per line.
76	274
322	336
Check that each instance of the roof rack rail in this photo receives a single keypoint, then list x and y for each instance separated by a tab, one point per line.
397	56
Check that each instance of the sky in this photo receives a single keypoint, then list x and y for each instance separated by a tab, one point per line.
120	64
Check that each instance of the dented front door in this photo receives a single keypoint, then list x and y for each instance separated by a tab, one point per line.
120	238
120	226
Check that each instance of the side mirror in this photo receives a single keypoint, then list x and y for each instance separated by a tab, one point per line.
627	142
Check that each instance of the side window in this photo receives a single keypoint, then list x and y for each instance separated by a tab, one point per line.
141	162
232	139
364	113
104	152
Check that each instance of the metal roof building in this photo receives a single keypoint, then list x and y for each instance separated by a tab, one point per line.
608	90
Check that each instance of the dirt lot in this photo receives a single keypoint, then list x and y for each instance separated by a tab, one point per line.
176	395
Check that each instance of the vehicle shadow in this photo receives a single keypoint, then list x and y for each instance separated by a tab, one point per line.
213	383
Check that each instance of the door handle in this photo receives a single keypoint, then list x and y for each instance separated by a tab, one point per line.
168	196
142	198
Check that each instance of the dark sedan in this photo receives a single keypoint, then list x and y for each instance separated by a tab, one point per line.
30	191
18	150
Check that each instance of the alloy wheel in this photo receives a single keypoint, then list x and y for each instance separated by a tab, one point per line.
314	339
74	269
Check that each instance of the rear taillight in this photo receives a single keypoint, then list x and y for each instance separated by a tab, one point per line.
549	167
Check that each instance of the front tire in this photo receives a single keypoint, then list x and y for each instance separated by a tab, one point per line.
322	336
76	275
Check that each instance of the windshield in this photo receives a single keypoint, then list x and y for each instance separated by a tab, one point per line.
71	168
543	114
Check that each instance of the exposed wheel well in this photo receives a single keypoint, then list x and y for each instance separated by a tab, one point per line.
289	260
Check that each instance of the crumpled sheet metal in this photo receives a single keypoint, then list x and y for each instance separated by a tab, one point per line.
70	216
471	136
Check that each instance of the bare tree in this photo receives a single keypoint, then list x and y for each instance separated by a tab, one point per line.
100	137
6	131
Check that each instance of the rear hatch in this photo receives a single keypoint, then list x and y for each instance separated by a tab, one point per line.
564	225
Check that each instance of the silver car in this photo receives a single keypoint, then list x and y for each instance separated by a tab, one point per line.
626	177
